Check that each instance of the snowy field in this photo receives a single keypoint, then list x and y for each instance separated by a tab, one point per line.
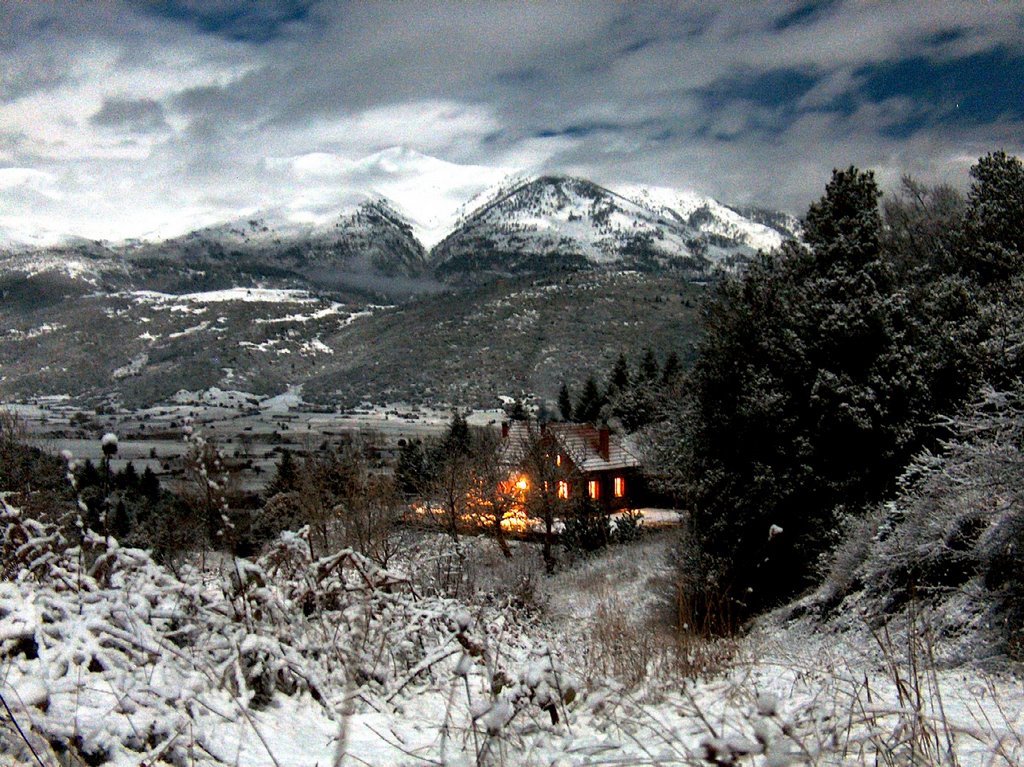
250	429
454	656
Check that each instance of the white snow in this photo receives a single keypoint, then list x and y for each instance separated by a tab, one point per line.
282	403
246	295
319	314
291	660
134	366
190	330
316	346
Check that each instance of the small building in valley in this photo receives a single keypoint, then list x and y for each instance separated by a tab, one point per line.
580	459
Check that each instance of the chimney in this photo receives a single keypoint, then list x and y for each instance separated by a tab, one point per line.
603	442
504	429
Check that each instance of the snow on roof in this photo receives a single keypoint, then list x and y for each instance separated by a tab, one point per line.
581	442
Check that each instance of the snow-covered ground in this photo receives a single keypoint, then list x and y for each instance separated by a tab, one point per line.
455	656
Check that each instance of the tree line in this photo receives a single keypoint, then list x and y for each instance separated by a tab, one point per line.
827	364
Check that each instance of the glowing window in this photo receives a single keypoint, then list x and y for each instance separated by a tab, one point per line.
558	460
593	488
620	487
563	489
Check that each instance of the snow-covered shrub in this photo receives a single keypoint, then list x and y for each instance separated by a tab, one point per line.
628	527
956	528
112	657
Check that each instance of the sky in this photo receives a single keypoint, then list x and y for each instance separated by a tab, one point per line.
138	118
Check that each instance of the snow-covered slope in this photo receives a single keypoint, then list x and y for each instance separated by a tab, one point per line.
703	214
373	236
429	193
558	222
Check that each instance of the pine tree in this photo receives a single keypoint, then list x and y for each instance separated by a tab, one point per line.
565	402
89	475
618	379
587	527
149	486
286	478
673	370
517	412
649	370
128	478
801	404
457	439
588	407
995	210
411	472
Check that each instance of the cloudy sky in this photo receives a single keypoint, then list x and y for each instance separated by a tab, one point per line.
137	117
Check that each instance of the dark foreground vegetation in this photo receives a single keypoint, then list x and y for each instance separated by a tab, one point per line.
831	366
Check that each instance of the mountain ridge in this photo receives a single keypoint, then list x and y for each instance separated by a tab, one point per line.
568	273
653	210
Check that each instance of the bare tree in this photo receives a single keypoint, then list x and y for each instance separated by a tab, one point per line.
496	492
538	460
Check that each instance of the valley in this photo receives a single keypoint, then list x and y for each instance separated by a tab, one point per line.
544	282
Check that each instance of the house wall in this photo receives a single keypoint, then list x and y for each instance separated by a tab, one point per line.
633	497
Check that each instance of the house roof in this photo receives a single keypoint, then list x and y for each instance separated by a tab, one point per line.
580	441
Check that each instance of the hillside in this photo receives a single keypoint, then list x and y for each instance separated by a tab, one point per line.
555	223
539	280
504	338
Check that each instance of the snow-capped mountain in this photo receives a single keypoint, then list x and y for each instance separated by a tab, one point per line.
373	237
519	226
705	215
559	222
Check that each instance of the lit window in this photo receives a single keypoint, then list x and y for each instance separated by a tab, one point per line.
563	489
558	460
593	488
620	487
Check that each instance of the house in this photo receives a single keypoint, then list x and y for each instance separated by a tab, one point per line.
580	458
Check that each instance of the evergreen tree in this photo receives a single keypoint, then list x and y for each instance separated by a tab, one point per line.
120	522
411	472
457	439
517	412
805	399
127	478
649	370
618	380
149	486
995	210
285	480
673	370
994	245
565	402
89	475
587	527
588	407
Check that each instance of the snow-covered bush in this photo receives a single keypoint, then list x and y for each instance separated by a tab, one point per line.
956	529
108	655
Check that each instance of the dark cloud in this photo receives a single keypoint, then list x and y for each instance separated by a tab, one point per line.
247	21
751	102
134	115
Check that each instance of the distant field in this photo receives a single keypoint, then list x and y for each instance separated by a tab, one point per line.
251	439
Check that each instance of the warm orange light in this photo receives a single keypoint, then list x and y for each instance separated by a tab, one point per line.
516	520
620	487
593	488
522	483
563	489
558	460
